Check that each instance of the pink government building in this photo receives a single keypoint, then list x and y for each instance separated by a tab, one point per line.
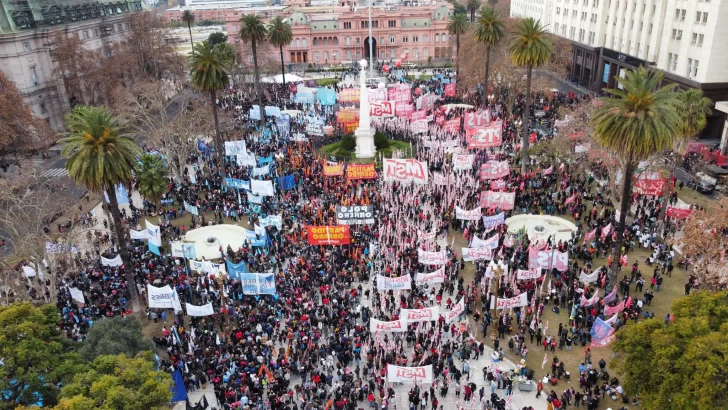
339	33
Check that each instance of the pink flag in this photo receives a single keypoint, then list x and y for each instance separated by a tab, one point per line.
545	360
590	235
570	199
606	230
548	170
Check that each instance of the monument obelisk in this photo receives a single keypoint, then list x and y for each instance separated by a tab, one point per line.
364	134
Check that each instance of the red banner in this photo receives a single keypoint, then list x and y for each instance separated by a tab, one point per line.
349	95
494	170
497	185
678	213
404	110
479	119
452	126
362	171
653	187
485	137
451	90
401	93
328	235
382	109
418	115
501	200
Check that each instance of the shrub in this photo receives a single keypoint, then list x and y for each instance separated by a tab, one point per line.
381	141
348	142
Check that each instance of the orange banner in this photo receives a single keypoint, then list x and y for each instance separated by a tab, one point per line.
328	235
363	171
333	170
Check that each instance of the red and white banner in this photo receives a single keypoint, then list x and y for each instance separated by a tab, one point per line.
678	213
548	170
485	137
405	170
382	109
478	119
377	94
452	126
457	310
400	283
418	115
468	215
431	258
419	315
437	276
404	110
400	93
570	199
475	254
494	170
591	301
653	187
523	274
610	310
544	260
419	127
426	236
517	301
451	90
590	235
393	326
328	235
462	161
399	374
491	242
606	231
498	184
502	200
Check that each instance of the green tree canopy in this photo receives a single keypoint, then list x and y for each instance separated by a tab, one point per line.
118	382
489	30
35	356
113	336
457	26
683	365
280	34
217	38
151	175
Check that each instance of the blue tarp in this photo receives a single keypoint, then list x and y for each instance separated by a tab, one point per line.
179	391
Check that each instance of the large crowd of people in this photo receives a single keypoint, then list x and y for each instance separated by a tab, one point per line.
310	345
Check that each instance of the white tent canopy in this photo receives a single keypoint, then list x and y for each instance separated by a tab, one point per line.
278	79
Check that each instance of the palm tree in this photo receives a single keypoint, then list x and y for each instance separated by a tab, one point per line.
189	19
458	25
151	176
472	7
209	68
530	48
99	156
252	29
489	31
280	34
636	122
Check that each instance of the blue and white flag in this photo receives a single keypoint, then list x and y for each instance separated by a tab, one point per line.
192	209
493	221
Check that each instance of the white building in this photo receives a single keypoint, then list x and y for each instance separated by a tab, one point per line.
535	9
26	29
683	38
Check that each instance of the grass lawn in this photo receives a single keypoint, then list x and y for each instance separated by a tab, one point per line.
325	82
411	77
336	150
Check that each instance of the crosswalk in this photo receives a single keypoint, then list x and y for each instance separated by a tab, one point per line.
54	172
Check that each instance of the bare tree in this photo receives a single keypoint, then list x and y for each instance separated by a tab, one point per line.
169	120
704	241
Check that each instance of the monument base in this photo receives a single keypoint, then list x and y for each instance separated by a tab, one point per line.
365	143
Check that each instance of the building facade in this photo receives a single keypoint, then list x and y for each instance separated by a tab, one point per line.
684	39
332	35
26	29
535	9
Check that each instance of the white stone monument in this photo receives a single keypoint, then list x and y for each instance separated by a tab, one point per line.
364	134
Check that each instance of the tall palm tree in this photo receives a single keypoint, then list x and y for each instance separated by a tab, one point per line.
209	68
151	176
472	6
457	25
529	48
280	34
189	19
693	112
252	29
99	156
635	123
489	30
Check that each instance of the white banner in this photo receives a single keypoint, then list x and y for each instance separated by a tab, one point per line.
457	310
517	301
399	374
191	209
400	283
437	276
493	221
245	160
153	234
474	254
490	243
163	298
112	262
405	170
235	148
138	235
467	215
204	310
431	258
382	108
77	295
589	278
177	250
462	161
393	326
534	273
207	267
419	315
263	188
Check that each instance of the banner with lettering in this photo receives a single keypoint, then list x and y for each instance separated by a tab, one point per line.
431	258
419	127
400	93
491	242
399	374
452	126
485	137
516	301
547	259
400	283
405	170
678	213
457	310
361	171
235	148
419	315
355	215
377	94
349	95
451	90
476	254
610	310
395	326
258	283
198	311
437	276
650	187
328	235
467	215
495	220
477	119
533	273
404	110
334	170
237	183
382	109
589	278
462	161
494	170
602	333
501	200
